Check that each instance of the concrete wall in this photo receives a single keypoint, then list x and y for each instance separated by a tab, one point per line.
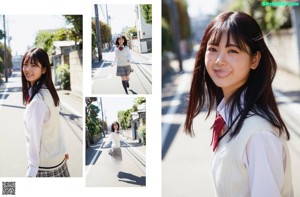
76	71
283	46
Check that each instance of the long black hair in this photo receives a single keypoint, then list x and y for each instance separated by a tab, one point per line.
113	128
35	56
257	94
125	41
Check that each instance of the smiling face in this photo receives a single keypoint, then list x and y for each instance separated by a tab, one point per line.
116	127
227	65
33	72
121	41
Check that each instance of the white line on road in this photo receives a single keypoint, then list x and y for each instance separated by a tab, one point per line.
140	153
169	119
2	97
94	158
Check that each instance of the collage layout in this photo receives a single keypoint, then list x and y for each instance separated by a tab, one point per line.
81	110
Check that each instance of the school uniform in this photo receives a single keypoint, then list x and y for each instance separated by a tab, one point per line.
115	150
122	59
44	140
256	162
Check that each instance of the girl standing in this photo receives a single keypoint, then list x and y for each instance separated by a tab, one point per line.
44	141
123	59
234	69
115	138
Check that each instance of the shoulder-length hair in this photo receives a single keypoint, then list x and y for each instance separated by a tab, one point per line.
125	41
35	56
257	95
112	126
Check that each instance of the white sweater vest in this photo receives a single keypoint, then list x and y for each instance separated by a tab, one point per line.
122	57
52	148
230	175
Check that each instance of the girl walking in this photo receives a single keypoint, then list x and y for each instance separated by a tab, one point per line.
46	150
115	138
123	59
234	70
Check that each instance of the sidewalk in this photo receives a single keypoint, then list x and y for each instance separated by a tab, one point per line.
71	101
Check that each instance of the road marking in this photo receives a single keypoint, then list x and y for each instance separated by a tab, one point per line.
174	106
94	158
141	154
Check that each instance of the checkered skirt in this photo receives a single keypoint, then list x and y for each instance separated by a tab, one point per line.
116	153
123	71
61	171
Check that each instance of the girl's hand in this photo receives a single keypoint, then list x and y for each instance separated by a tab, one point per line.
67	156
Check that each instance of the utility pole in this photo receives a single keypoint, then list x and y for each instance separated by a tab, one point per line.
5	51
98	34
102	116
175	29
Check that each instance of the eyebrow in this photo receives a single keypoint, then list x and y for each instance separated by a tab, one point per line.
227	45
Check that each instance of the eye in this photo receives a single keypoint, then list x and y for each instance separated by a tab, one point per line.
233	51
211	49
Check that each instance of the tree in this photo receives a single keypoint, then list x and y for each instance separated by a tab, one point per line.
8	60
124	118
105	31
132	31
76	31
268	17
147	12
44	39
1	35
92	122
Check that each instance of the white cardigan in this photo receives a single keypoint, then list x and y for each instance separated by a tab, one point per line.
122	58
44	139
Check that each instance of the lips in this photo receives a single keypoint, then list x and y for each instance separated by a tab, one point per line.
222	73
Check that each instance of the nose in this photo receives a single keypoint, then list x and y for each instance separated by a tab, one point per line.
220	59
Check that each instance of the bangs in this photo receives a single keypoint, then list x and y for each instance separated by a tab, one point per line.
232	32
30	58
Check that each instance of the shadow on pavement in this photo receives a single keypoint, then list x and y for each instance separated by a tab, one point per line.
132	91
131	179
90	152
294	96
169	137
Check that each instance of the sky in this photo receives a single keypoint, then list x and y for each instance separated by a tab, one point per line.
201	7
121	15
23	28
112	105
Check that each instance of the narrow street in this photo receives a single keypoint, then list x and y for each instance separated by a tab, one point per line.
13	161
102	171
187	160
105	81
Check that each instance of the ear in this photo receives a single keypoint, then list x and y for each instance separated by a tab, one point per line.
255	60
43	70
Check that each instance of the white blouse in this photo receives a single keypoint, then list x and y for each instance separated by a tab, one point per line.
38	114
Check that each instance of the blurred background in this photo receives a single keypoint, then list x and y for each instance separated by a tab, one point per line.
186	160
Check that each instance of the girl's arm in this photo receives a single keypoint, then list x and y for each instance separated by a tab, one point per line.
129	57
36	115
107	142
115	59
265	159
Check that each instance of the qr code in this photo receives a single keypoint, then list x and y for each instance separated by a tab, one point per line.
8	188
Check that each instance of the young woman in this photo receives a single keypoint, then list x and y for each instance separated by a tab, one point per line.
44	141
115	138
234	69
123	59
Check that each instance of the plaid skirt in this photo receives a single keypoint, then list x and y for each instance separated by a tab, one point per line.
123	71
116	153
61	171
